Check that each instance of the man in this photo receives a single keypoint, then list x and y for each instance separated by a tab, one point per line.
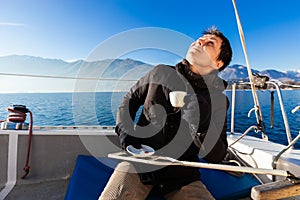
198	128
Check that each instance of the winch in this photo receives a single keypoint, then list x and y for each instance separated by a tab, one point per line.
16	121
16	118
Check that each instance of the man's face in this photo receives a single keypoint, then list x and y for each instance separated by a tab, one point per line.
203	54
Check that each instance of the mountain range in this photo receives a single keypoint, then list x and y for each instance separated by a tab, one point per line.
23	74
103	75
236	72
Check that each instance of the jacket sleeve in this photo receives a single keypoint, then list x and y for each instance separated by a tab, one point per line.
213	142
215	152
191	116
127	113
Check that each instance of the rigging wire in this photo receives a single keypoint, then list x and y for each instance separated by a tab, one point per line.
66	77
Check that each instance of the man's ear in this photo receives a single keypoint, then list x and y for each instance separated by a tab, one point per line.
219	64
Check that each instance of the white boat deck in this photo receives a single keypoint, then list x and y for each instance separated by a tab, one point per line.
260	153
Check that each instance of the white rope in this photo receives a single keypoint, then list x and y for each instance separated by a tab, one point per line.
244	134
254	94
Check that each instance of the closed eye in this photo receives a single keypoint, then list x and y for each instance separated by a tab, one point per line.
210	43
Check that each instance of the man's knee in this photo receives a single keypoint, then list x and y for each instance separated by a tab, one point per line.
125	167
195	190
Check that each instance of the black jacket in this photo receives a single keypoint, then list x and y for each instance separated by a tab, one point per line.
171	132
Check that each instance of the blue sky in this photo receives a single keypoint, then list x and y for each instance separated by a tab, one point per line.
72	29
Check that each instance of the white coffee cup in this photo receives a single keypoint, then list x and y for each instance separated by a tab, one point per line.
176	98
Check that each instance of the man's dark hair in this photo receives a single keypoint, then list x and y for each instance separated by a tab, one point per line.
226	51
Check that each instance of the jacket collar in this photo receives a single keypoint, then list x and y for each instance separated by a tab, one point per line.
211	80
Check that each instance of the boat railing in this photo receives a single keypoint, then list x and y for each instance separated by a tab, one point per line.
283	113
276	158
282	108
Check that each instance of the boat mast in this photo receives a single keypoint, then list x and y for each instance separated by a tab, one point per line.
258	113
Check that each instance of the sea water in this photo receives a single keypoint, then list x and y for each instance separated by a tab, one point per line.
70	109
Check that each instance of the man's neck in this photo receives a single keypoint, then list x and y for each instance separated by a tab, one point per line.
203	71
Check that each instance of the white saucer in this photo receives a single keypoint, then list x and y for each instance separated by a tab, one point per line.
142	152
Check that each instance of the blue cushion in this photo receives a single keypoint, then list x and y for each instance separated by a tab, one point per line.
225	186
90	176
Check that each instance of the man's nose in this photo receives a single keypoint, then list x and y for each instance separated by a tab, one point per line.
200	42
